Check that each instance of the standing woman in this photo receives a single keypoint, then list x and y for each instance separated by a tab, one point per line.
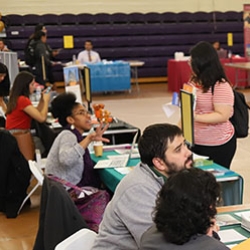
4	86
20	110
214	133
69	157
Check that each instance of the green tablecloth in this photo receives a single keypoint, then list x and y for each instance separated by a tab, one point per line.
231	182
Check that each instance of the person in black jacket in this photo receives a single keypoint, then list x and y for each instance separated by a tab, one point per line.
42	57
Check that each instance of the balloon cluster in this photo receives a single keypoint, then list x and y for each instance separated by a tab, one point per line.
101	114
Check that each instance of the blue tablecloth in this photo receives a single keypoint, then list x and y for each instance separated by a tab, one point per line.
110	76
231	182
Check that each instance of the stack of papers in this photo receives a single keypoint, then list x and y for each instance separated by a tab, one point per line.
134	154
226	220
114	161
230	235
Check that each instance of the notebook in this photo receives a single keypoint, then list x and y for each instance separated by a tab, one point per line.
117	161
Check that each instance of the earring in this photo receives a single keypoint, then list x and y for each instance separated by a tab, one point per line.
72	127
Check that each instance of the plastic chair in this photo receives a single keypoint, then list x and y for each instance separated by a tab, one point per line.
38	174
83	238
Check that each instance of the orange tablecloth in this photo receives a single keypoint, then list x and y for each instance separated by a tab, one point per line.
179	73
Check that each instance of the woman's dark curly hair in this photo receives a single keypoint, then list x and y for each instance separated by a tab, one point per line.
206	65
62	106
186	204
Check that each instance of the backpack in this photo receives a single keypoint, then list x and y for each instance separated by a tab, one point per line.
240	118
29	53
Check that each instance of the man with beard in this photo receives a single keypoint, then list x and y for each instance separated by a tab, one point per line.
163	151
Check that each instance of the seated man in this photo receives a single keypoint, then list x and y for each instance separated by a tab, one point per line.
88	55
185	214
222	53
163	151
3	46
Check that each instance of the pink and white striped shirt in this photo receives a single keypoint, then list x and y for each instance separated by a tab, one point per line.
213	134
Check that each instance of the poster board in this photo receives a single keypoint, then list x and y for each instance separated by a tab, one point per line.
72	81
187	116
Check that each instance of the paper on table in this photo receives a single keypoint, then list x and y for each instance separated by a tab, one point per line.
196	157
230	235
225	220
169	109
245	213
124	171
231	246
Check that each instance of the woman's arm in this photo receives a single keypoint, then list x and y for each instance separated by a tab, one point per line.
3	104
39	113
221	113
95	136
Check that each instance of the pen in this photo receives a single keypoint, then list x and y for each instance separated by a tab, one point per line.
216	235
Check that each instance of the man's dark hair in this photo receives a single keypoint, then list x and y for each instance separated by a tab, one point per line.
155	140
186	204
206	65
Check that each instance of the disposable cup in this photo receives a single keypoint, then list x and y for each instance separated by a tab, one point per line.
98	149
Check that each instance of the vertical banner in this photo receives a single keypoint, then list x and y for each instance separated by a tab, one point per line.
246	18
72	81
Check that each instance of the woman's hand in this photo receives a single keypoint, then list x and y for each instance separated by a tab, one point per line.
213	230
98	133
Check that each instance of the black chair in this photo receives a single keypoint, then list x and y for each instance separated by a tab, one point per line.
59	217
14	175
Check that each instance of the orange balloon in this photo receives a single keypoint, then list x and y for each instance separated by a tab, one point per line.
110	119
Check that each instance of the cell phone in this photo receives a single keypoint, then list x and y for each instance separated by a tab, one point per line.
47	90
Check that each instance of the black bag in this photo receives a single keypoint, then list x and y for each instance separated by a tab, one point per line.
240	118
29	53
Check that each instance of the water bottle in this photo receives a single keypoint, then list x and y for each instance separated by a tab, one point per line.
229	54
74	59
38	93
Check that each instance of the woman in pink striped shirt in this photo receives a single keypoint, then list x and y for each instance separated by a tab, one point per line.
214	133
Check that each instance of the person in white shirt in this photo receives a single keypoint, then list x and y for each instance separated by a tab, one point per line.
88	55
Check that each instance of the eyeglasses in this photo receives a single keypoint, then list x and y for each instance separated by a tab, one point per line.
82	112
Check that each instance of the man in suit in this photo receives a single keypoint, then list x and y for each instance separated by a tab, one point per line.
88	55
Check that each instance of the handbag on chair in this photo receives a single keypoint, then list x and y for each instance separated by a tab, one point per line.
25	143
91	202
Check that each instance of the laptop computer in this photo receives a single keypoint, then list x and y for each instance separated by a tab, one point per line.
121	160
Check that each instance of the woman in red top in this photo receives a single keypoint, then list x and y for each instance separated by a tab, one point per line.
213	132
20	110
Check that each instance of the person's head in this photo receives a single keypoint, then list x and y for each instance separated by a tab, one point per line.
88	45
2	44
4	80
206	66
216	45
69	112
40	35
23	86
186	205
40	27
163	147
